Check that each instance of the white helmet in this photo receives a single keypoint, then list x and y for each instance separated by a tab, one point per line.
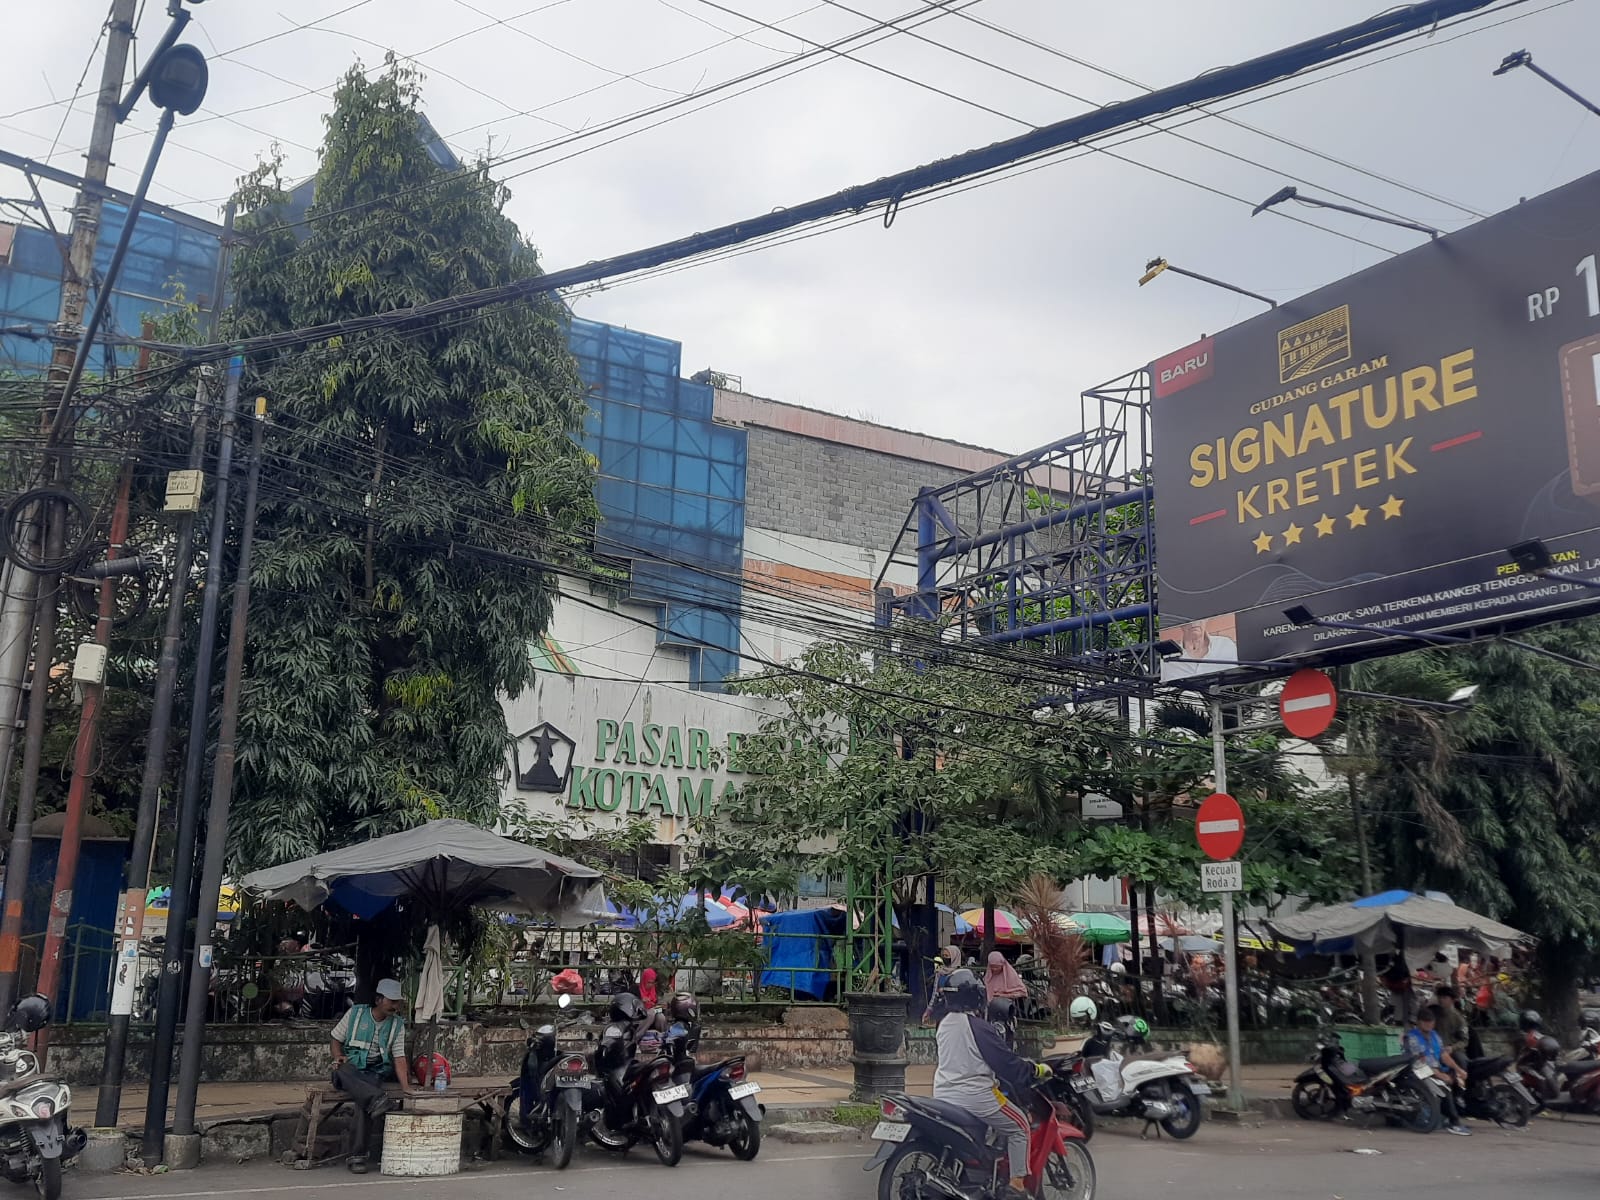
1119	968
1083	1011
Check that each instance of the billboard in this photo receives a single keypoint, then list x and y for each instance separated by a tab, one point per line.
1371	450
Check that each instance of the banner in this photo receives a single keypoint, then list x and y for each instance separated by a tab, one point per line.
1372	449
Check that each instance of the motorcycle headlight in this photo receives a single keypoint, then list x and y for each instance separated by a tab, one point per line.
43	1109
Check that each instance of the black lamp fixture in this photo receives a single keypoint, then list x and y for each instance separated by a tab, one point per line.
1523	59
1157	265
1285	194
1533	557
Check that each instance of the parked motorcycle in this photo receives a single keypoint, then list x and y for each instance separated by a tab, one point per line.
1401	1088
36	1136
1495	1092
632	1096
1554	1083
934	1150
542	1116
1161	1089
721	1109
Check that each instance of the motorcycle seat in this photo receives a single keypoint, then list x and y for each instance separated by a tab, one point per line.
952	1113
1376	1066
1490	1065
1576	1070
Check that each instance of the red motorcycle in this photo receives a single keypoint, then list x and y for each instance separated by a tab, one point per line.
1573	1086
934	1150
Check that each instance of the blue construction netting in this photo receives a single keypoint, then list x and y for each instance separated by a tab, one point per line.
161	254
671	491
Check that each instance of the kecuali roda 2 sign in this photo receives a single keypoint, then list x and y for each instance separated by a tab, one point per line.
1372	449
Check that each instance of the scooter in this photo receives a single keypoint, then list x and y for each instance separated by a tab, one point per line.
721	1109
1161	1089
541	1115
36	1136
1402	1088
934	1150
633	1097
1573	1085
1495	1092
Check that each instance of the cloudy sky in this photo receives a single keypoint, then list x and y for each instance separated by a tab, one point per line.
980	316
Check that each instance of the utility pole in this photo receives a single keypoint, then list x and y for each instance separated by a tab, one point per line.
83	759
17	613
130	922
1230	936
153	1146
183	1128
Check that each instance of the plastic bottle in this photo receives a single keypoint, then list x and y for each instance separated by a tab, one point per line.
439	1083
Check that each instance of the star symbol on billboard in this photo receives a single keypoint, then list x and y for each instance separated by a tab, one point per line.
1325	526
1291	535
1357	516
1263	542
1391	508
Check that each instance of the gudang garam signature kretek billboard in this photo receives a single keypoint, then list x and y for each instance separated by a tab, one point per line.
1372	449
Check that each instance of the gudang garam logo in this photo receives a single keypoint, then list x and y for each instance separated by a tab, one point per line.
1342	486
1323	341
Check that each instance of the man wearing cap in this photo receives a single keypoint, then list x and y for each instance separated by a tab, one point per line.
369	1049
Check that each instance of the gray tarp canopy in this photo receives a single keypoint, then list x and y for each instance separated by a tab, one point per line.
1417	925
443	864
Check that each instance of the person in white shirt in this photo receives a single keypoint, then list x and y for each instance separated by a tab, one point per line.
369	1050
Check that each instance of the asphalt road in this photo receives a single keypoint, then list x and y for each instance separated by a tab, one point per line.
1280	1160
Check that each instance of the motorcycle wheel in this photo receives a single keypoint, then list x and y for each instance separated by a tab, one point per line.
666	1135
1069	1177
515	1135
1314	1100
746	1140
902	1176
1185	1121
566	1139
1510	1109
48	1180
1083	1116
1429	1114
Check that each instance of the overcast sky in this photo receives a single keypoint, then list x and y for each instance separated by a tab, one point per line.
979	317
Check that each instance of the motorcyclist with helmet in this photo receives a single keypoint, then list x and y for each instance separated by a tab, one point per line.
979	1072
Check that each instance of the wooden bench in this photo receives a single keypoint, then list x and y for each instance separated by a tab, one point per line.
314	1148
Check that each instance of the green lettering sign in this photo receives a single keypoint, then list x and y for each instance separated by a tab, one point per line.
672	756
699	750
694	800
605	734
607	789
651	754
626	751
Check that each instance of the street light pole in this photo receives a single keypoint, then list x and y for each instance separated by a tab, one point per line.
1230	948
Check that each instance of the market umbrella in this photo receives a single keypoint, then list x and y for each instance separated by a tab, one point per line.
1008	927
1161	925
1100	929
1190	943
1389	921
963	926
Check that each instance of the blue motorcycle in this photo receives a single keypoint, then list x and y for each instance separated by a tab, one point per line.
722	1109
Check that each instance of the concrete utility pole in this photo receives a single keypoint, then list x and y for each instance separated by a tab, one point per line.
17	615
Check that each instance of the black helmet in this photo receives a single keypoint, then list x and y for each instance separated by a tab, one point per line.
1002	1010
32	1013
683	1007
962	992
1549	1047
1530	1020
625	1006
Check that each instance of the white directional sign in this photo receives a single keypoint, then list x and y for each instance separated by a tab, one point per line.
1222	876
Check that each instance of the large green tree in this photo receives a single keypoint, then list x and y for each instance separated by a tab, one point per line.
1497	804
384	628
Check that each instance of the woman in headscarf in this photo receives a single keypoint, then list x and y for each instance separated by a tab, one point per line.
1001	980
647	987
948	960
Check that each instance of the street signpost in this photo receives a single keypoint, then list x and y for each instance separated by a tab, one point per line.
1222	877
1219	828
1308	703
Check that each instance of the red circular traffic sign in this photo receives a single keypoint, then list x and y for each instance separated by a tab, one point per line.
1219	826
1308	703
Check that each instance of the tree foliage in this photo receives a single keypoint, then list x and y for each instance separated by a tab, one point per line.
381	634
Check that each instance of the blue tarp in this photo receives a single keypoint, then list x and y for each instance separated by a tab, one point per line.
802	958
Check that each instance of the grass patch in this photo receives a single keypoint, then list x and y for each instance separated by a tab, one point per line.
856	1116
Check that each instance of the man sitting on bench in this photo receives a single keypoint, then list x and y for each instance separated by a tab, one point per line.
369	1050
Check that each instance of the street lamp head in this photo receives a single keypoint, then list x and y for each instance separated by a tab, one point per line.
1299	615
1512	61
1151	269
1463	695
1277	197
1532	556
179	79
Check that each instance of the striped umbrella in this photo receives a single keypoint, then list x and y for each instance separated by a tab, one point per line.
1008	927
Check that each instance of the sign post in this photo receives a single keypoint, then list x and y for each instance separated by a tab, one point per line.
1215	813
1308	703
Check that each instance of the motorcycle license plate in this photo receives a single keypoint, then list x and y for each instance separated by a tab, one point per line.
891	1131
668	1095
1081	1083
575	1081
1198	1088
1422	1071
740	1090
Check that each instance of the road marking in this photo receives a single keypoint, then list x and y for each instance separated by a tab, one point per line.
1302	703
401	1181
1228	826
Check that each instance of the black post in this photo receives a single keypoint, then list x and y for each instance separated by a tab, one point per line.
221	797
130	923
155	1114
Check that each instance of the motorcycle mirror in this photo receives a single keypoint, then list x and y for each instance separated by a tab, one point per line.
522	1023
565	1000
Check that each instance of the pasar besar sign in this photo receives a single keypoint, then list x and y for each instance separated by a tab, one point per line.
1372	449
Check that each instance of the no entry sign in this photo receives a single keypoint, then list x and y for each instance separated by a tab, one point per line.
1308	703
1219	826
